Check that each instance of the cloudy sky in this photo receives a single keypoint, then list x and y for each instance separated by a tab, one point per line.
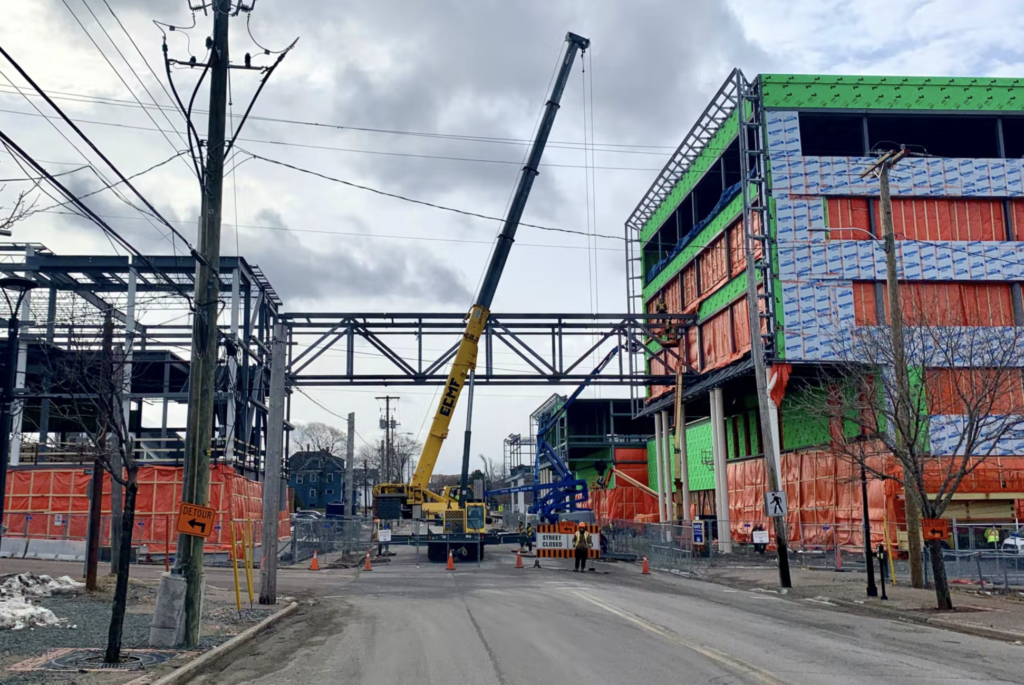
461	68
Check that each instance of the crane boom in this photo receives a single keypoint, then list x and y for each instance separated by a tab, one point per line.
465	357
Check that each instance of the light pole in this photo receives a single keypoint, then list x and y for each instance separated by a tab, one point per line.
872	588
14	289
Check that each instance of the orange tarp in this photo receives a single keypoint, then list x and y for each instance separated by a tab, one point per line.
36	497
941	304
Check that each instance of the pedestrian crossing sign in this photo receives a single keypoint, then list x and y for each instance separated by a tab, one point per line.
775	503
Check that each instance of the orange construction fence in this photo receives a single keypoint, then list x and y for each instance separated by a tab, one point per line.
52	503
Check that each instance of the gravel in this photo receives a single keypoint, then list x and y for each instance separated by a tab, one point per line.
85	620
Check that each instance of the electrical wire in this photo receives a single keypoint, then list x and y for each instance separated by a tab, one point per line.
90	214
362	235
418	202
156	78
89	142
332	148
40	178
125	59
613	148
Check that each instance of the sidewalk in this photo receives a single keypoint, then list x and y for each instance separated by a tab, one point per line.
979	613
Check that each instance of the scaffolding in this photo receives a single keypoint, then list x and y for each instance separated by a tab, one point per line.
149	302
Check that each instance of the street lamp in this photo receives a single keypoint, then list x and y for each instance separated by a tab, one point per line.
14	289
872	588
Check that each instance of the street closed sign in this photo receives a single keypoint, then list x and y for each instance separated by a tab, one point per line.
195	520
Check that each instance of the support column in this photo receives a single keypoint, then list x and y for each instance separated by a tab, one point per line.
232	402
44	405
659	444
125	400
683	464
721	454
666	457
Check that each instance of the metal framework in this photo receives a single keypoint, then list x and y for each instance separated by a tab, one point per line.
65	313
754	169
545	349
708	124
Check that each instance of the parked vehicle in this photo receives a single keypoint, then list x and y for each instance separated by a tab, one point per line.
1013	545
307	515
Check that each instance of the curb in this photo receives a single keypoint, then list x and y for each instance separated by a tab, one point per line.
936	622
197	664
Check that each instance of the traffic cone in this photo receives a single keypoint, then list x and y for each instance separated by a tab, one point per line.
647	569
315	566
519	560
451	562
366	565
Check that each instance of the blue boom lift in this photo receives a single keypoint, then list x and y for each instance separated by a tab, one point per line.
565	494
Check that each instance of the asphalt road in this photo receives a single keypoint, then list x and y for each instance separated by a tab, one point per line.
497	625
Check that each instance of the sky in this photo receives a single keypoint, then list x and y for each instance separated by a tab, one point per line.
475	69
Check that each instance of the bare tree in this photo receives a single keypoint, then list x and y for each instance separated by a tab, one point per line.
966	404
87	388
320	437
396	466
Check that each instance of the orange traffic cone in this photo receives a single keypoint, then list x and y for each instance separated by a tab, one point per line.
315	566
519	559
451	562
647	569
366	566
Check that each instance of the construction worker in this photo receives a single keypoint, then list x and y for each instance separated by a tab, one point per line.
581	544
522	536
992	536
529	537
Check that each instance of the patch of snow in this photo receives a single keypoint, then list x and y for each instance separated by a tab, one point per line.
31	585
17	611
16	614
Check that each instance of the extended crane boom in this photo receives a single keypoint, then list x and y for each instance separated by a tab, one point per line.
416	491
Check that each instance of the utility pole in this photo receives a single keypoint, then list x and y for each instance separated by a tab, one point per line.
199	428
272	478
754	173
92	555
388	461
903	396
350	467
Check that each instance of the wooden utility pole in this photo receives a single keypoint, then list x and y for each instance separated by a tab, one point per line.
350	467
199	428
903	397
272	479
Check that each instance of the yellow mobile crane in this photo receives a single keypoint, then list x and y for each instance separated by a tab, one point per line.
392	500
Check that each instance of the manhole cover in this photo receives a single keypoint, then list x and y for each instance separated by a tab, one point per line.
92	660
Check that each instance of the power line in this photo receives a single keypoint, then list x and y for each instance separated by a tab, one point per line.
624	148
41	178
86	211
109	186
92	145
352	233
420	202
114	69
332	148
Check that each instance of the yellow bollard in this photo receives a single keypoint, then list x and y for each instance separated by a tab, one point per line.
888	549
234	565
248	558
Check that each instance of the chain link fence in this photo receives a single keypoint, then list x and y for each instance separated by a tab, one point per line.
332	539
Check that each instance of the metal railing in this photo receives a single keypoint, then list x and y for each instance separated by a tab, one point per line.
332	539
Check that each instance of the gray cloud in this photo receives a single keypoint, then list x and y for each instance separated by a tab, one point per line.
389	270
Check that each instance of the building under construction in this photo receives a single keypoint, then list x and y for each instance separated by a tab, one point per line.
820	274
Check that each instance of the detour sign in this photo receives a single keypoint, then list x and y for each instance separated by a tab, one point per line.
195	520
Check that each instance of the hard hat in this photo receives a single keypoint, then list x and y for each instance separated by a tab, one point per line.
582	524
